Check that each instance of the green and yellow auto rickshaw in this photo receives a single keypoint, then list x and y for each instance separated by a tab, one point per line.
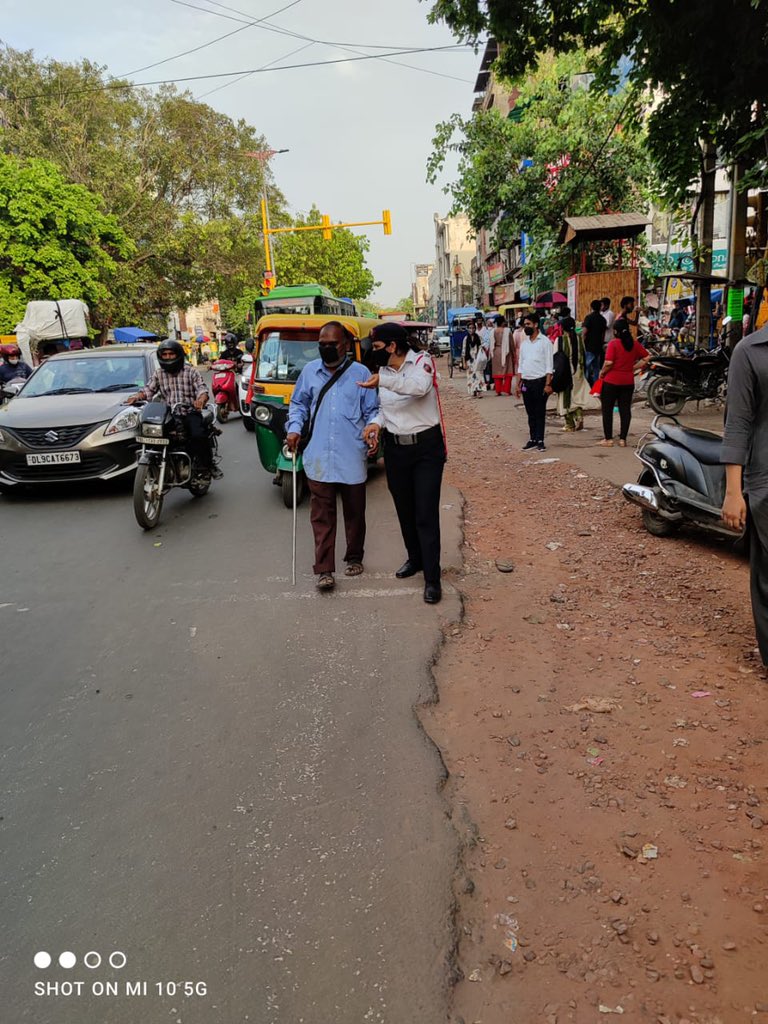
283	346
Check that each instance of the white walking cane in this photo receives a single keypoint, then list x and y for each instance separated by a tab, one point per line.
293	550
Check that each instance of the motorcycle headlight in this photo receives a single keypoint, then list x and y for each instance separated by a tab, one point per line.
263	414
152	429
126	419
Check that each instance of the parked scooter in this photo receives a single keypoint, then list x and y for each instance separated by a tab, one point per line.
164	462
224	387
682	480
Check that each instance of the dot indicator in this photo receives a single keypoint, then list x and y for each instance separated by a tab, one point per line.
42	960
118	960
92	959
67	960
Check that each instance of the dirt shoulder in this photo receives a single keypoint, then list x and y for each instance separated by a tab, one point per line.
600	699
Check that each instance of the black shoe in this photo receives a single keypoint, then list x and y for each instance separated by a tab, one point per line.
528	446
541	446
407	569
432	593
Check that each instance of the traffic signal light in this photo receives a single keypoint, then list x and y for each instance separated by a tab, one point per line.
386	217
327	233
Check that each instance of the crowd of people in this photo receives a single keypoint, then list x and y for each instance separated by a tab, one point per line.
550	354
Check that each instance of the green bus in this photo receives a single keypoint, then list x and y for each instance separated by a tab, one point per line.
304	300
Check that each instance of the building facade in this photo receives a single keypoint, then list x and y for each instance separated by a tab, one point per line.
420	289
450	283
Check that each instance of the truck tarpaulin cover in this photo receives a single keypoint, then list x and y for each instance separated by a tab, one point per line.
51	321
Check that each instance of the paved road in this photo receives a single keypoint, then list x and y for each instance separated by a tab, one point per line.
213	773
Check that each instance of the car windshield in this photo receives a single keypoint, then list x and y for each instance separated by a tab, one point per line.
83	376
284	354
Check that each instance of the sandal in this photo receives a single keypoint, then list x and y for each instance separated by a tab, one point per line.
604	444
622	443
354	569
325	581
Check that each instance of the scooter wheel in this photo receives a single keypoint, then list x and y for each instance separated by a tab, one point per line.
658	526
222	413
662	399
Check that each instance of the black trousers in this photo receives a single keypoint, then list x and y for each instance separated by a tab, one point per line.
535	402
414	477
621	395
198	441
758	571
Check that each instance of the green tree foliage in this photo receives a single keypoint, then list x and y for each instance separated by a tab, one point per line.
56	242
180	178
406	305
704	61
566	154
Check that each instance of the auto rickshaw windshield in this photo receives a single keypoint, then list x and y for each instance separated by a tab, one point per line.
284	354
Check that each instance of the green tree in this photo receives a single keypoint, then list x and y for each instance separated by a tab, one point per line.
704	63
179	176
339	263
525	174
406	305
56	242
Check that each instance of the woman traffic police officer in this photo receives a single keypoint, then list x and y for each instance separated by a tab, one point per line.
408	424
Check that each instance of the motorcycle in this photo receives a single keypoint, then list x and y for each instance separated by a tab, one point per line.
682	480
676	380
164	463
224	387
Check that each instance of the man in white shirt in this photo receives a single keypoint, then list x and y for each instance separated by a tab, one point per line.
409	423
609	317
534	382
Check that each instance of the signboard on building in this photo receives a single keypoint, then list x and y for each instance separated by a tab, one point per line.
503	293
496	272
571	292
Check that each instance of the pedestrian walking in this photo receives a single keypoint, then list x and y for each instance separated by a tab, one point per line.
502	357
535	379
572	399
487	335
332	411
470	343
624	357
409	428
478	360
745	454
609	316
595	326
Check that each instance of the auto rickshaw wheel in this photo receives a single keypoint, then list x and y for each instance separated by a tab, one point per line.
286	485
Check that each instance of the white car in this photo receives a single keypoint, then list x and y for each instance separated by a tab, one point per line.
442	338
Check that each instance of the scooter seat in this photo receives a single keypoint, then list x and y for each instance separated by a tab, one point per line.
704	444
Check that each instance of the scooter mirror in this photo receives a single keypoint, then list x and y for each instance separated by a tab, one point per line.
250	345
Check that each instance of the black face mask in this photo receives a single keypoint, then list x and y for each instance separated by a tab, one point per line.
328	353
529	331
379	357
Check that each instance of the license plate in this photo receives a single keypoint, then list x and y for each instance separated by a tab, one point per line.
52	458
155	440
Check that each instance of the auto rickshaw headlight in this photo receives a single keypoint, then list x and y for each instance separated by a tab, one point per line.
262	414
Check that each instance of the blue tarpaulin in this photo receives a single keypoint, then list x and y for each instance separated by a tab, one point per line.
463	311
131	334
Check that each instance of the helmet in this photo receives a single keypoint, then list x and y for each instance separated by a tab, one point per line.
174	364
230	340
10	352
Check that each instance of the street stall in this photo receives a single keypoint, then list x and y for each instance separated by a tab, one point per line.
130	335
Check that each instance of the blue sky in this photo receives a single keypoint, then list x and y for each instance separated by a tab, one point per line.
359	134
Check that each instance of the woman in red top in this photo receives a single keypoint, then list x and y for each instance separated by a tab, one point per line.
623	358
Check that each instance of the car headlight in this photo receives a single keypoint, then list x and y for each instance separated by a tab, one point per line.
126	419
263	414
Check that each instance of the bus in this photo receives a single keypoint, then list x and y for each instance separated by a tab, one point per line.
304	300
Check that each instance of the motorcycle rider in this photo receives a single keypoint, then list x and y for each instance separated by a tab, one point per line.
232	352
179	384
13	366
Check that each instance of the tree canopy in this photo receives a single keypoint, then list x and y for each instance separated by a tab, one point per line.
703	62
56	242
567	153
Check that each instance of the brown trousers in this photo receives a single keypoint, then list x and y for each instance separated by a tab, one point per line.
323	517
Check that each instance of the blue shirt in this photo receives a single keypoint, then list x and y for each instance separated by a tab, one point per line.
336	453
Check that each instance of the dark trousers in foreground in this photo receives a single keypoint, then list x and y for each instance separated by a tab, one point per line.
535	402
758	571
323	517
610	396
414	477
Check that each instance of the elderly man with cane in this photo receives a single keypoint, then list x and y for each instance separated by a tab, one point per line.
332	412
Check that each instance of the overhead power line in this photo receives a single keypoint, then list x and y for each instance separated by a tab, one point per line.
249	71
264	67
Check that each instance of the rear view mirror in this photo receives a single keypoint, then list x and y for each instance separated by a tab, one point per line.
250	345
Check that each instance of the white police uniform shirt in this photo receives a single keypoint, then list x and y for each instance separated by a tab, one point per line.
408	396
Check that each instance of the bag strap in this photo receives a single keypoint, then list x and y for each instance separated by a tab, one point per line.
323	391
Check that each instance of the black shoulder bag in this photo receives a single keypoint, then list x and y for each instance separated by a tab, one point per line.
306	434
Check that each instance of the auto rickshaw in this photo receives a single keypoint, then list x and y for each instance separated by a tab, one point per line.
282	347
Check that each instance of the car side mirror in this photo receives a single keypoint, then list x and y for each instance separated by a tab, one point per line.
250	345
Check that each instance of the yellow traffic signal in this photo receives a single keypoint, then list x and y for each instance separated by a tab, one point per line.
327	233
386	217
